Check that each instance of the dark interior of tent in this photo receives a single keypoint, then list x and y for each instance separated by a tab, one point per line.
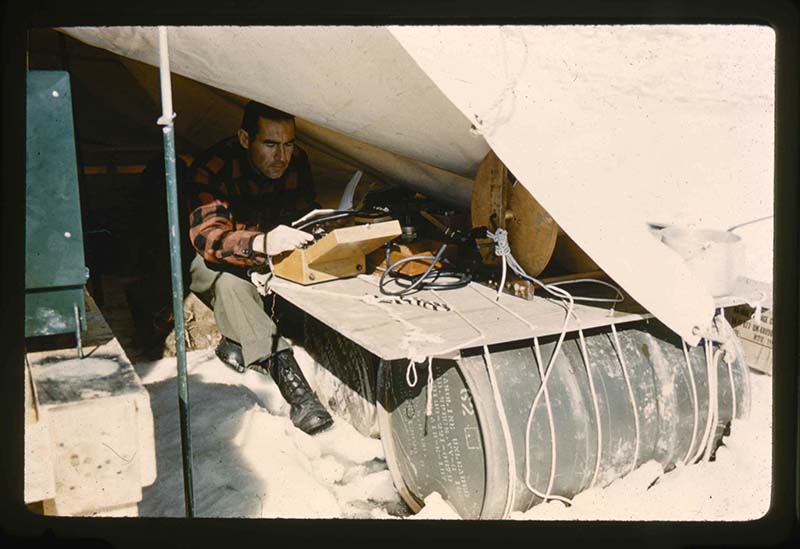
120	156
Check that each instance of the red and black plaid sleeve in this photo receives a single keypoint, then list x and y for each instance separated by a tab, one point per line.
212	229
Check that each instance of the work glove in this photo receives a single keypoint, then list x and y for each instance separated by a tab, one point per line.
284	238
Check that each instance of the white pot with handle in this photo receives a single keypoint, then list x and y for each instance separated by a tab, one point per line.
715	257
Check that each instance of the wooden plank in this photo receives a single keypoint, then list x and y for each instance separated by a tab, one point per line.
39	479
101	444
392	331
96	456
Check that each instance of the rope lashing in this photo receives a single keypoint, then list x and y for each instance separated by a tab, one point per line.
693	386
629	387
429	395
503	250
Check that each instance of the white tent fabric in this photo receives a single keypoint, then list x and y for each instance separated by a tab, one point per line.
355	80
205	113
611	127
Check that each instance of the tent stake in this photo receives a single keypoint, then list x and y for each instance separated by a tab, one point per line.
175	262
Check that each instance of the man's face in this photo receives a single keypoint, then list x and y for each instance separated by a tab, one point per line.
270	150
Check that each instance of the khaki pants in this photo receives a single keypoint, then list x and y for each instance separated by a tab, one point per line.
239	311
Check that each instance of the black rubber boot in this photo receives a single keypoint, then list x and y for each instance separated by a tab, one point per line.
308	414
230	352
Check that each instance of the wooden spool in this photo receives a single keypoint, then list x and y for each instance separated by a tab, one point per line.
497	202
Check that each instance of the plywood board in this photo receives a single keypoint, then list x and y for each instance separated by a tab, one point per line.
401	330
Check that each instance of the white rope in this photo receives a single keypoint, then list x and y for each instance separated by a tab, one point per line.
503	249
429	395
501	412
704	439
728	355
599	451
411	369
543	376
543	388
733	390
630	395
498	401
502	279
694	403
713	386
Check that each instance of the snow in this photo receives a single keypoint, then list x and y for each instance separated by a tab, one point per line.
248	458
735	487
250	461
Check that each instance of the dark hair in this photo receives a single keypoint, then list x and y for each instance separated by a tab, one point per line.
255	110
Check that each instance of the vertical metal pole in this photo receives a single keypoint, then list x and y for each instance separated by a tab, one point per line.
175	262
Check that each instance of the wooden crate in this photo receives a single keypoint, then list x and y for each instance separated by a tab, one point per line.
755	333
89	438
339	254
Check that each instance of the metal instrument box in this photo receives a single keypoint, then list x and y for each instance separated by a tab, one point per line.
55	270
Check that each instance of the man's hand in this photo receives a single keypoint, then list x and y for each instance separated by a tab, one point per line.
283	239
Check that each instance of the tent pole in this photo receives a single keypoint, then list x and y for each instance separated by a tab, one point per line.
175	262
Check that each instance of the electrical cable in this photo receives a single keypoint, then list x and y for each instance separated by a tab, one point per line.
418	280
331	215
424	281
324	219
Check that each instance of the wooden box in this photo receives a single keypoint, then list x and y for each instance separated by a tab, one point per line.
339	254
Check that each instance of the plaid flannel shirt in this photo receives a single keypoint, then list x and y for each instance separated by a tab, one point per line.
231	203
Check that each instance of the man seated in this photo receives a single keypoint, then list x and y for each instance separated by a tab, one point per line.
243	191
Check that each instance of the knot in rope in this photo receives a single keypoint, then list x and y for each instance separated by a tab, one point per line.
501	246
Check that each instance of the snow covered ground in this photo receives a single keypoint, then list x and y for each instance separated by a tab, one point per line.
249	461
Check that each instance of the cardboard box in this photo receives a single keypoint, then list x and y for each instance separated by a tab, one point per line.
755	335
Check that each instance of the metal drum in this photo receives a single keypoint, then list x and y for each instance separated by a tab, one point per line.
461	450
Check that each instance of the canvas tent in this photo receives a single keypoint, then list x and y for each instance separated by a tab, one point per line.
608	127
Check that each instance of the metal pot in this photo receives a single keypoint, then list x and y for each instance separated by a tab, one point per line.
715	257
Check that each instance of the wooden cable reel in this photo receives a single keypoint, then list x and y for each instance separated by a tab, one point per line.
499	201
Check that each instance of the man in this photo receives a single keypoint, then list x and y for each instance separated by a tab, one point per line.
244	190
